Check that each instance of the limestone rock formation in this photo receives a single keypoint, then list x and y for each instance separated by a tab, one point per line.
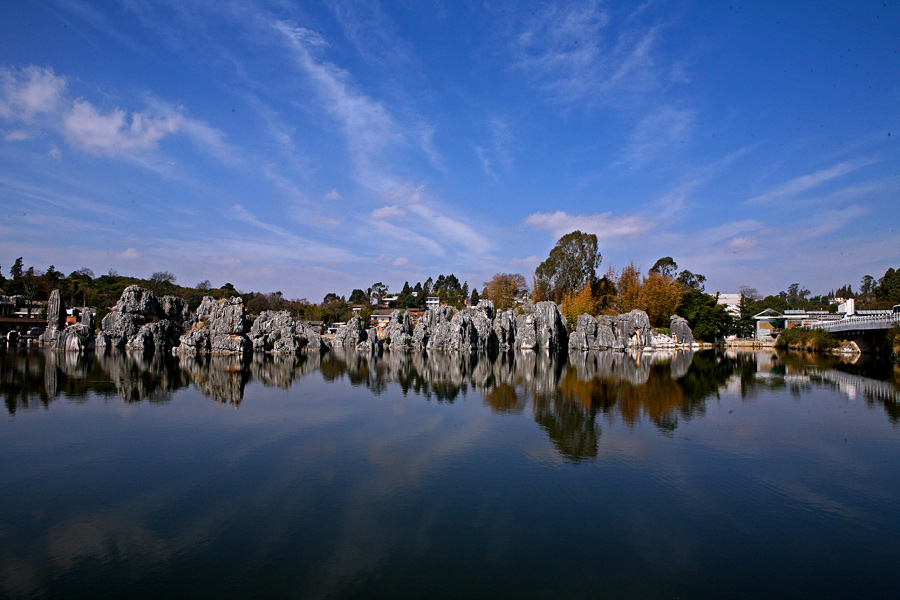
140	321
279	333
56	318
681	331
505	329
76	338
352	334
633	329
371	343
398	331
471	329
429	324
218	327
544	329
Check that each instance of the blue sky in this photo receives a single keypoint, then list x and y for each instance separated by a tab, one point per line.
311	147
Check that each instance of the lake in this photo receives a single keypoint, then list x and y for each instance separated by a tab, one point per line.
604	475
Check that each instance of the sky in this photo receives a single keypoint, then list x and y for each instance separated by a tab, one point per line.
314	147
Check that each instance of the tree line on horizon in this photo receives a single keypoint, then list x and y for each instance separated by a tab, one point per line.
569	277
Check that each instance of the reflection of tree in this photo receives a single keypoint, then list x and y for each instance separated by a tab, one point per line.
502	398
572	430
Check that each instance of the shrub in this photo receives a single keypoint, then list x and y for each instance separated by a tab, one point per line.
813	340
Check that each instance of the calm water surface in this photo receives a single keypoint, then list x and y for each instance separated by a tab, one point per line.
403	476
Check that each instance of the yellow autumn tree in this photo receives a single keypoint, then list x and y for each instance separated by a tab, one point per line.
629	288
659	297
579	303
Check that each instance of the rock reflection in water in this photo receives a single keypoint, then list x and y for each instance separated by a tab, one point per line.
566	394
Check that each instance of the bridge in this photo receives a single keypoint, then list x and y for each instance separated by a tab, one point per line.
867	331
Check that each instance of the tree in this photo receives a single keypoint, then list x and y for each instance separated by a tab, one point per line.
161	280
579	303
204	286
16	271
475	299
357	296
659	297
867	286
572	264
665	267
84	274
689	281
503	289
629	288
378	291
750	293
707	319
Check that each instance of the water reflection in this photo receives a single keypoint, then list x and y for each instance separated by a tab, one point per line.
565	394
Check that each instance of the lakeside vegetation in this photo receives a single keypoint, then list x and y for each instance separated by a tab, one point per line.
809	340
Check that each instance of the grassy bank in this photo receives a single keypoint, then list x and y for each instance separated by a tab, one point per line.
811	340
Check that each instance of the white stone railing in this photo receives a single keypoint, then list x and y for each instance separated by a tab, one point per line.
866	322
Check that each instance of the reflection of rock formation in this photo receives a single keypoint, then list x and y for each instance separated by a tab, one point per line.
142	376
219	376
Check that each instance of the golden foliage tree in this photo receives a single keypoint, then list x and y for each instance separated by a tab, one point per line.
503	288
579	303
659	297
629	288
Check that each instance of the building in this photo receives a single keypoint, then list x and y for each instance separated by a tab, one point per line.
732	304
432	302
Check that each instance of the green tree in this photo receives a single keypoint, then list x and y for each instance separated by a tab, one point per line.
357	296
690	281
666	267
708	319
16	271
572	264
475	299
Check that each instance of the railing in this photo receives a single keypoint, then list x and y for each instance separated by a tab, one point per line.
851	322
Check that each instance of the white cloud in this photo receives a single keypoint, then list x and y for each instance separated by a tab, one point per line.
742	244
31	90
604	227
387	213
333	195
113	133
17	136
402	261
807	182
129	254
407	237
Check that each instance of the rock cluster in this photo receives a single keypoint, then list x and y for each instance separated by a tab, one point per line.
279	333
480	328
141	321
219	327
631	330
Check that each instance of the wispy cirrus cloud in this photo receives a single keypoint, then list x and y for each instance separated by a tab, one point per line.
575	51
804	183
367	124
603	225
662	130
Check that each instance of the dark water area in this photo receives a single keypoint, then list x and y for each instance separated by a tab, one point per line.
603	475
